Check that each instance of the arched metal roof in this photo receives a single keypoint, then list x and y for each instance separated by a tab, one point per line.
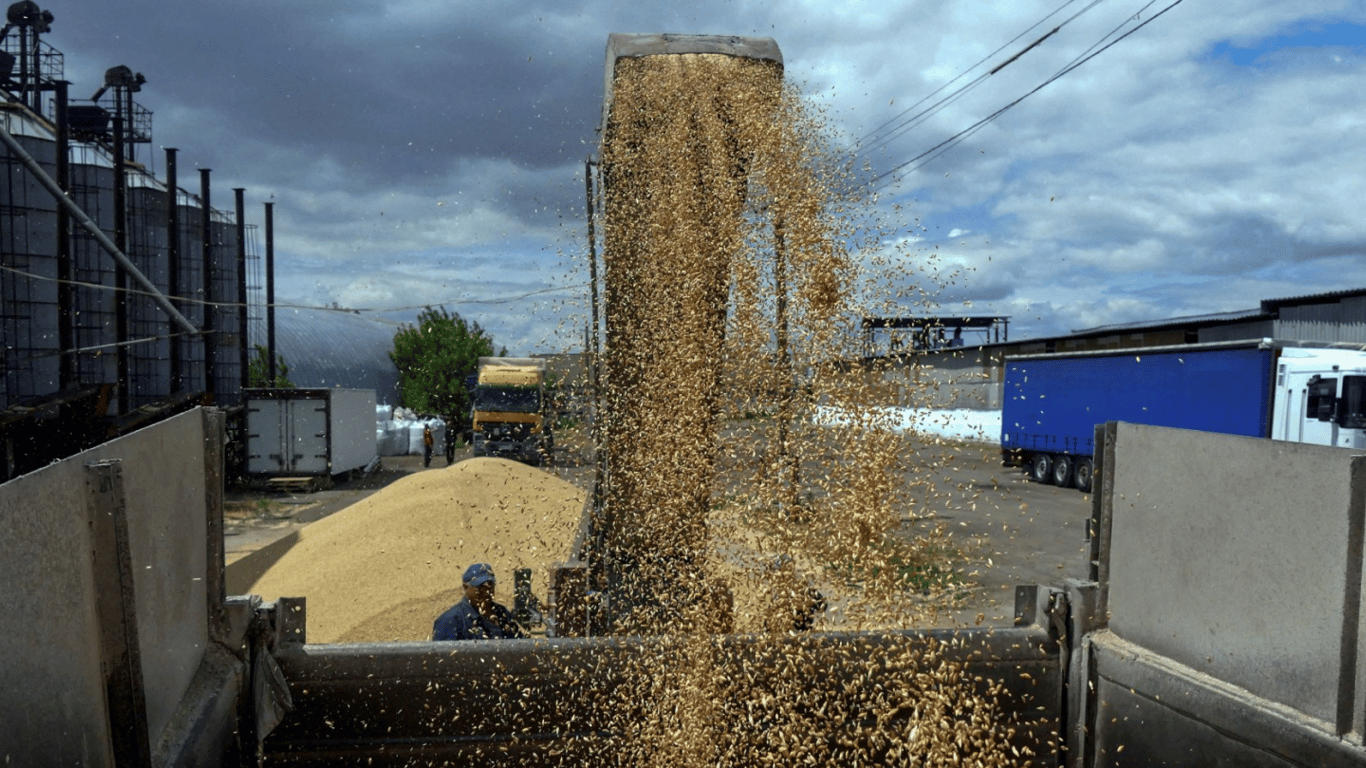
336	348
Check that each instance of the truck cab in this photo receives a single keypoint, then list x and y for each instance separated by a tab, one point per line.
510	415
1320	398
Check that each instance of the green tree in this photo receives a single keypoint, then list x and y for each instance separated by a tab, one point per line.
434	357
258	370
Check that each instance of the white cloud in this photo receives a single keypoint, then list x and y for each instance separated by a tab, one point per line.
413	147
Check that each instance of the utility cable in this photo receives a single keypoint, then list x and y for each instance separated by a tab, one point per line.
283	305
874	133
944	146
39	354
911	122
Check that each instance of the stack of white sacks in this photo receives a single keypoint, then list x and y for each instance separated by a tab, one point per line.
398	431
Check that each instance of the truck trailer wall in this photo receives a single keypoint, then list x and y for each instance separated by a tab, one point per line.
62	596
353	429
1231	572
561	701
1054	404
309	432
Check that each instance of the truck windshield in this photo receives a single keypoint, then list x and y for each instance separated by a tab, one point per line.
507	399
1352	414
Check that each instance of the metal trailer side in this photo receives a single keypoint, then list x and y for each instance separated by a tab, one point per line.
352	427
1052	403
569	701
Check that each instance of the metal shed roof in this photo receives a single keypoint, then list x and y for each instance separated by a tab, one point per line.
336	348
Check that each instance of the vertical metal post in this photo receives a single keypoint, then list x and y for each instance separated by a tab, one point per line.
208	326
592	255
569	587
66	289
594	356
270	290
121	334
37	73
173	269
32	81
116	604
242	329
124	97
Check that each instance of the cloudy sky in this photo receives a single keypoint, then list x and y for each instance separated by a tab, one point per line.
431	152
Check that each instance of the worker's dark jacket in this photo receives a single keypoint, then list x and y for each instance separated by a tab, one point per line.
463	622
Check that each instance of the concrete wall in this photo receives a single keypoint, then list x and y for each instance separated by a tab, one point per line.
52	616
1230	569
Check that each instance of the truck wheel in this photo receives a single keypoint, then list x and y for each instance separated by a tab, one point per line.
1082	478
1062	470
1041	468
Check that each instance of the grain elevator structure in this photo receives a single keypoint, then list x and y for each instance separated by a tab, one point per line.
124	297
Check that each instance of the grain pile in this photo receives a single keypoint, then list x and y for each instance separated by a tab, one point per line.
384	568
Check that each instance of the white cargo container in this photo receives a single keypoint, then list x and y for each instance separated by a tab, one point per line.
309	432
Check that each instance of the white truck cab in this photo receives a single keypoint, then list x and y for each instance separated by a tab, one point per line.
1320	397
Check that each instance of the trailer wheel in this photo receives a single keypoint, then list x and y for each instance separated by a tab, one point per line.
1082	477
1062	470
1041	468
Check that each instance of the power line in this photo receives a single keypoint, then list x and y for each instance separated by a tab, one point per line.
284	305
944	146
911	122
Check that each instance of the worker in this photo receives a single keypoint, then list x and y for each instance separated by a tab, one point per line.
477	617
427	440
450	442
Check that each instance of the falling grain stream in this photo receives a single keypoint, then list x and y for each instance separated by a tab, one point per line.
732	293
729	289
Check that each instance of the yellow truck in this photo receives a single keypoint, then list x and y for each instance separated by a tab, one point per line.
510	413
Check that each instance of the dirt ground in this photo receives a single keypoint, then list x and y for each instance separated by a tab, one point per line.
1005	530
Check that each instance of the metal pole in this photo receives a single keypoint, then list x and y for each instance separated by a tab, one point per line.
599	455
593	289
75	210
270	290
239	196
173	263
66	290
206	236
121	334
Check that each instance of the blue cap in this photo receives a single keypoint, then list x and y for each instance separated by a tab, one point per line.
478	575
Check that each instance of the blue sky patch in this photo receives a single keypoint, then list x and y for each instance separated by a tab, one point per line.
1302	35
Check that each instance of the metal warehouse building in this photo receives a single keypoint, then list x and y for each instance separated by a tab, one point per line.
969	375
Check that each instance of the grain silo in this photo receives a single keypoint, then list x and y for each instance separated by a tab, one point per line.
123	297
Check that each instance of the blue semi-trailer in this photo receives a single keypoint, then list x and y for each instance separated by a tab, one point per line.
1281	390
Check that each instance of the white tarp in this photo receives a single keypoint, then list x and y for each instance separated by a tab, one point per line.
957	424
